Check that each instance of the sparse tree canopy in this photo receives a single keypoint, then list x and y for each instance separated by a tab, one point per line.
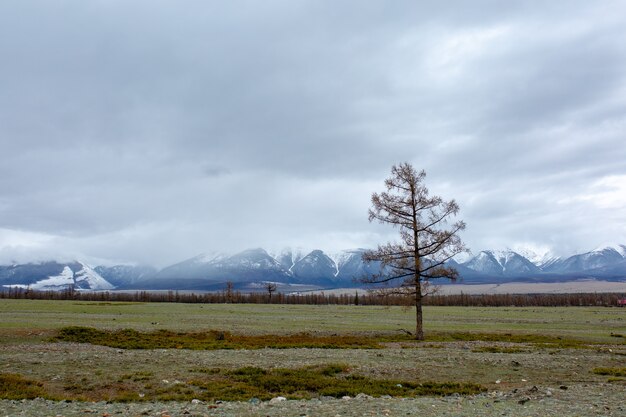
428	240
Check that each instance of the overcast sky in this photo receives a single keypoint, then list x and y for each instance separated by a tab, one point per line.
151	131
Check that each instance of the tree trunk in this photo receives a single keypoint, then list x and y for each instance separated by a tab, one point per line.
419	329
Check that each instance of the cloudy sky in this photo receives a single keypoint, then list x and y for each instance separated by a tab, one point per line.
151	131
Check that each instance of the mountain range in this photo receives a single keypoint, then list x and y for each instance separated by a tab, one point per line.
294	268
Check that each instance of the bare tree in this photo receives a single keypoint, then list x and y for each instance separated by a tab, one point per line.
270	287
229	291
427	238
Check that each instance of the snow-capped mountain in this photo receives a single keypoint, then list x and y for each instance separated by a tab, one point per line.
289	266
486	263
212	271
121	275
598	258
351	268
617	247
498	263
250	268
541	259
315	267
53	276
88	279
288	257
602	263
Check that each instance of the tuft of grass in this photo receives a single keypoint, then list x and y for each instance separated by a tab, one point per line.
124	396
211	340
308	382
431	346
610	371
215	339
138	376
538	340
16	387
498	349
210	371
176	392
240	384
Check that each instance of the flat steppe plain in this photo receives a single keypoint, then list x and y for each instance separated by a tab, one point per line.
522	379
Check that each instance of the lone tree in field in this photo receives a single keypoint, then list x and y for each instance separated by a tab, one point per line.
428	239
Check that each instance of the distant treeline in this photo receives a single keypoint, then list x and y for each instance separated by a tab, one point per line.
321	298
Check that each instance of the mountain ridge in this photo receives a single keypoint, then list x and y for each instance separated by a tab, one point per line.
316	268
53	276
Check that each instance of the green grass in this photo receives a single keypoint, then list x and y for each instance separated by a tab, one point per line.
538	340
610	371
463	345
16	387
27	320
211	340
138	376
334	380
214	339
329	380
498	349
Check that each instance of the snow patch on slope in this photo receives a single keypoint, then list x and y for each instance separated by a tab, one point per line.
341	258
87	278
210	257
288	257
502	256
539	257
64	279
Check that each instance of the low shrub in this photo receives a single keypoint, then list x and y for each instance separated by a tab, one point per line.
610	371
328	380
210	340
16	387
240	384
498	349
536	339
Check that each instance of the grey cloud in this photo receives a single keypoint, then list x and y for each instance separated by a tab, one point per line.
154	130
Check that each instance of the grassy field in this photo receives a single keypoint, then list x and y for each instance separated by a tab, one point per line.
204	350
23	317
